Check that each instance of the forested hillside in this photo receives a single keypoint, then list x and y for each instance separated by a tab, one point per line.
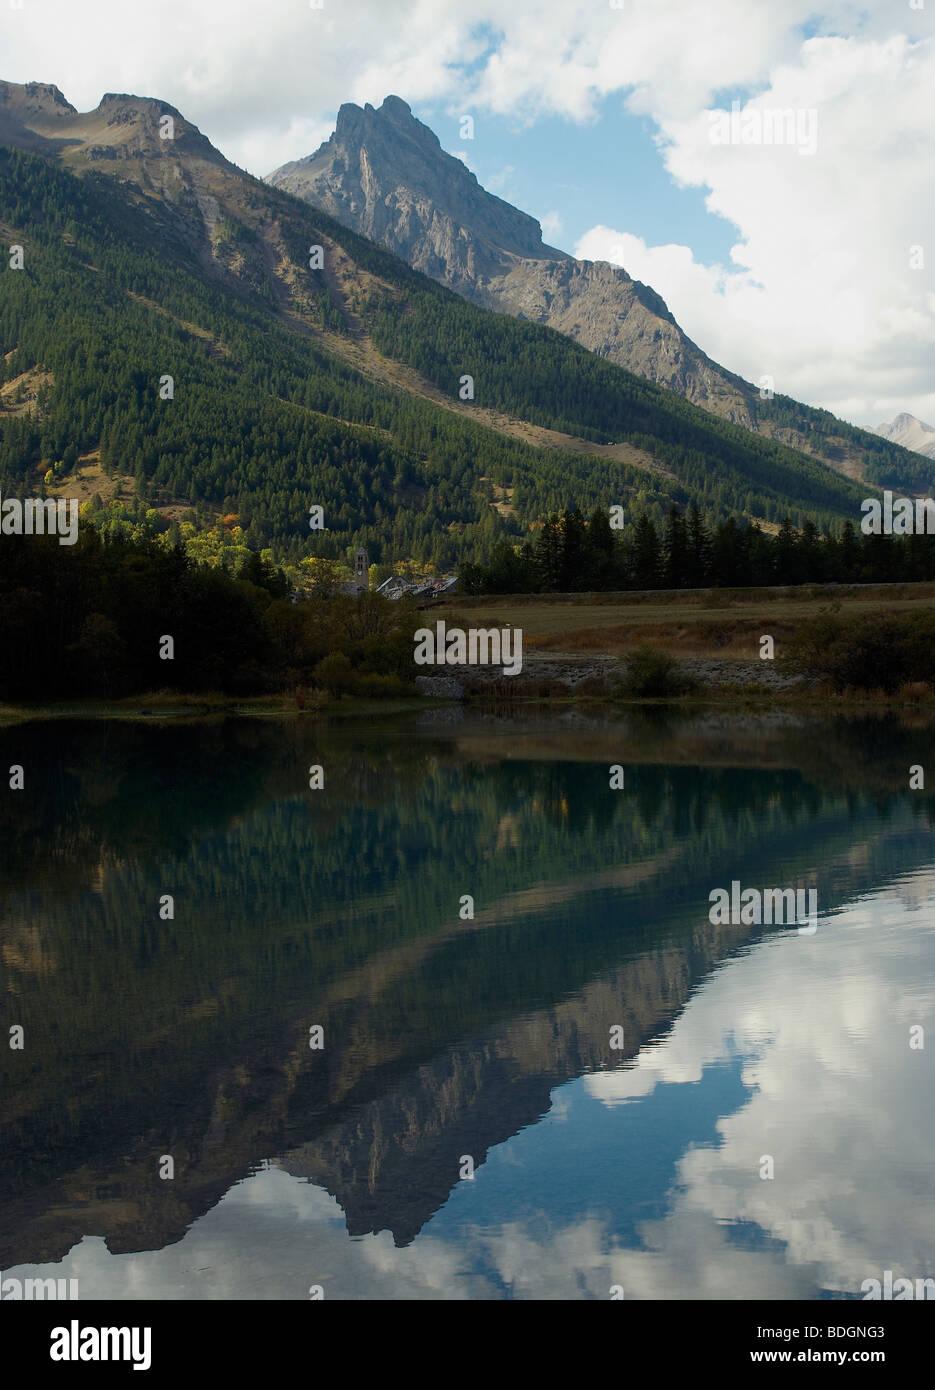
338	387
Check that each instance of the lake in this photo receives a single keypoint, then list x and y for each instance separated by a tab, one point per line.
457	1023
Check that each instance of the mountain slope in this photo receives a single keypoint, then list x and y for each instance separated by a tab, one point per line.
910	433
293	386
384	174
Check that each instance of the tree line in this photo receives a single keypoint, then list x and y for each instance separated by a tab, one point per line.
572	553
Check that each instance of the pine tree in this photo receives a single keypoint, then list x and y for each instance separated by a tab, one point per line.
850	554
675	551
699	551
574	552
784	555
548	555
602	564
646	560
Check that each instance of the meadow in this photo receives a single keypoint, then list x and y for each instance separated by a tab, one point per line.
725	623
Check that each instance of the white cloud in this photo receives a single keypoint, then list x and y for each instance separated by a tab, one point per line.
820	293
250	73
552	225
498	181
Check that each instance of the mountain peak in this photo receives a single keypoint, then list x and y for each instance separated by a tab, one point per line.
395	106
35	99
385	173
392	121
391	107
123	126
127	101
910	432
906	420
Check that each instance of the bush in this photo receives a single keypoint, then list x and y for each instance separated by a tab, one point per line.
375	686
649	674
335	674
872	652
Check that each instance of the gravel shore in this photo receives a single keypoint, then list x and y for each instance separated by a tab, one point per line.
571	671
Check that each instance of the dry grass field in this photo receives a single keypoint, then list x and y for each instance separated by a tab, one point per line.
702	623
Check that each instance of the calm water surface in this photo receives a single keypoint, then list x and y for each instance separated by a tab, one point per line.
448	1041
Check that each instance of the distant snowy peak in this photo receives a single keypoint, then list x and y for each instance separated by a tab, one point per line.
910	433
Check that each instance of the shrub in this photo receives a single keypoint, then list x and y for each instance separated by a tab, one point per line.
650	674
375	686
866	653
335	674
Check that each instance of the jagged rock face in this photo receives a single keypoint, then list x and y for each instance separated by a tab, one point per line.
910	433
385	175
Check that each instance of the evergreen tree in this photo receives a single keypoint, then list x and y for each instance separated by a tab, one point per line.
849	562
548	555
699	551
573	575
729	555
603	570
676	557
785	554
646	556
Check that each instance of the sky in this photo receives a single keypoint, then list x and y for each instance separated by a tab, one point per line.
802	258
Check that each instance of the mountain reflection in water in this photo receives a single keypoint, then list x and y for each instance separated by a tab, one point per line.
447	1038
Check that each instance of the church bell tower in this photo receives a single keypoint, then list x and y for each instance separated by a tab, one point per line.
362	571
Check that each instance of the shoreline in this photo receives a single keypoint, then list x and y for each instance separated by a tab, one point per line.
216	706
